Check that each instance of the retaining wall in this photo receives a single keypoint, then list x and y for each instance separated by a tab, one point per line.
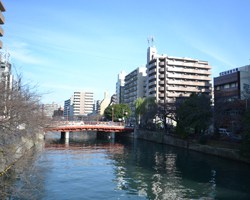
162	137
19	146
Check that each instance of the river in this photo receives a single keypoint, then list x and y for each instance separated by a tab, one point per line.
122	169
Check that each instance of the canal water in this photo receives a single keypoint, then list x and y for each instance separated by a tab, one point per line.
122	169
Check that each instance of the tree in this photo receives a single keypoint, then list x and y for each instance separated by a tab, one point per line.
21	115
139	109
117	112
146	108
245	146
167	111
194	114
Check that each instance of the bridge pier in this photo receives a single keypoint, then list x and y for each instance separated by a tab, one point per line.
65	135
106	135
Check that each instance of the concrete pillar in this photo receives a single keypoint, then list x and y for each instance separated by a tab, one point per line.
65	135
66	142
111	137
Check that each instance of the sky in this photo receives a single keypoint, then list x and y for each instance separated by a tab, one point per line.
82	45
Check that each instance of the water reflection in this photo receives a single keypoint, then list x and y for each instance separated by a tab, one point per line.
163	172
125	169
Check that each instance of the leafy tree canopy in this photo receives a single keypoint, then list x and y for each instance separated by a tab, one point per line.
117	112
194	113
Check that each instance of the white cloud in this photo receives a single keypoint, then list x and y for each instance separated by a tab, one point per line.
21	52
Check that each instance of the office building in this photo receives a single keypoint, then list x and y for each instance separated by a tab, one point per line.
232	84
169	78
231	97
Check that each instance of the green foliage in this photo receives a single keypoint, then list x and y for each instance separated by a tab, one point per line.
146	109
194	114
117	112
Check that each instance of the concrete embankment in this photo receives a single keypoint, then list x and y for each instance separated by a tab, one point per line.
14	149
163	138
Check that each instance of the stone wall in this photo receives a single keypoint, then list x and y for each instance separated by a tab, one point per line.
162	137
18	147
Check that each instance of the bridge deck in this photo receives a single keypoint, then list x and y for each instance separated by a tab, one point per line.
89	126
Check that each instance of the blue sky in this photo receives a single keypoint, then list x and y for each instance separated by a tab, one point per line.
81	45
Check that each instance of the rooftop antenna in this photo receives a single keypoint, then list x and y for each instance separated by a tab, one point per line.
151	41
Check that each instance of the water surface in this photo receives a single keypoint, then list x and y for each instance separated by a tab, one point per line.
126	169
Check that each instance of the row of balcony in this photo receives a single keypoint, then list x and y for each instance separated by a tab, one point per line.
189	64
182	79
185	76
200	65
180	83
188	70
188	83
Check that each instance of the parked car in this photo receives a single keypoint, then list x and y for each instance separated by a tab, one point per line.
224	132
227	135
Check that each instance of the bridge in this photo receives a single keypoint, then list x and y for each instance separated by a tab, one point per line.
65	127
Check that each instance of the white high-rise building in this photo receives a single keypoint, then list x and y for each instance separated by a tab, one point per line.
80	104
170	77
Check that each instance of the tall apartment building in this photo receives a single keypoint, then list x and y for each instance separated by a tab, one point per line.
2	20
134	87
120	87
169	78
80	104
5	66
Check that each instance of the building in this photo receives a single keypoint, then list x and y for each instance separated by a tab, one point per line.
232	84
6	76
79	105
2	20
5	68
48	109
58	114
68	109
104	103
169	78
231	97
120	87
134	87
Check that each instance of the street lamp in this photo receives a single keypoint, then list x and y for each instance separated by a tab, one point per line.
125	117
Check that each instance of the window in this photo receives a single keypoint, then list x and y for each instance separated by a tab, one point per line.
217	88
226	86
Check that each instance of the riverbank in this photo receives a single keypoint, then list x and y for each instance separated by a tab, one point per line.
12	151
216	150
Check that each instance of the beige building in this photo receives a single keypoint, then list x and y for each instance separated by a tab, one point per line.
171	77
104	103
